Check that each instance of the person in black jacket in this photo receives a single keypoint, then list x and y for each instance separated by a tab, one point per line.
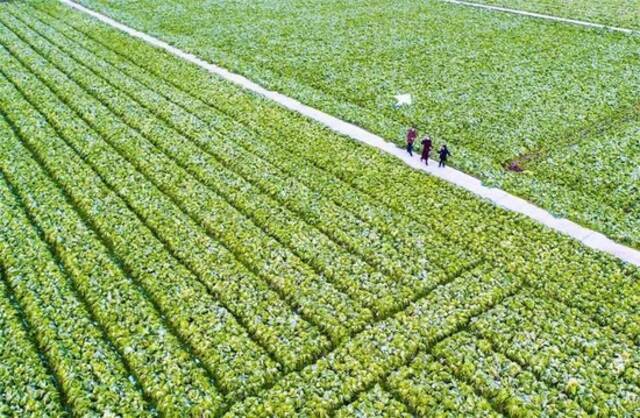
444	153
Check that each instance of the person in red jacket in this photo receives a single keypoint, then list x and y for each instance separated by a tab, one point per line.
412	134
426	149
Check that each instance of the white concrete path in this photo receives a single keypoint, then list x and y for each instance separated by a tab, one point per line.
543	16
588	237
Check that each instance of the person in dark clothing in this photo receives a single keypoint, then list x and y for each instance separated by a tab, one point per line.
426	149
444	153
412	134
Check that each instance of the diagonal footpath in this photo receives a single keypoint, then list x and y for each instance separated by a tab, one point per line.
499	197
543	16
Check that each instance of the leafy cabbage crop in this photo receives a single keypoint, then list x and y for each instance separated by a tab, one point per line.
171	245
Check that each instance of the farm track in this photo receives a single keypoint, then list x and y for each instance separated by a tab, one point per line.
240	116
543	16
211	185
595	241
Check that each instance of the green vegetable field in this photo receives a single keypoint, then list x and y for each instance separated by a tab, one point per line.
171	245
617	13
501	90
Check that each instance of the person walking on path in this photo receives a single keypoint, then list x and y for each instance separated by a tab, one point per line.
426	149
444	153
412	134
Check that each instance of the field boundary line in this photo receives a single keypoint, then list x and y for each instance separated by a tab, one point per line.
500	198
543	16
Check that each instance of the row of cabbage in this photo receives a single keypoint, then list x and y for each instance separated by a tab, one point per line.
26	383
100	176
521	97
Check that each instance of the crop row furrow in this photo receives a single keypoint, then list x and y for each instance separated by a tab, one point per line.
277	324
89	370
370	357
184	193
268	214
595	367
377	401
28	383
227	348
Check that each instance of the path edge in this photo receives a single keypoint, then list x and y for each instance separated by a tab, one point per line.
543	16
